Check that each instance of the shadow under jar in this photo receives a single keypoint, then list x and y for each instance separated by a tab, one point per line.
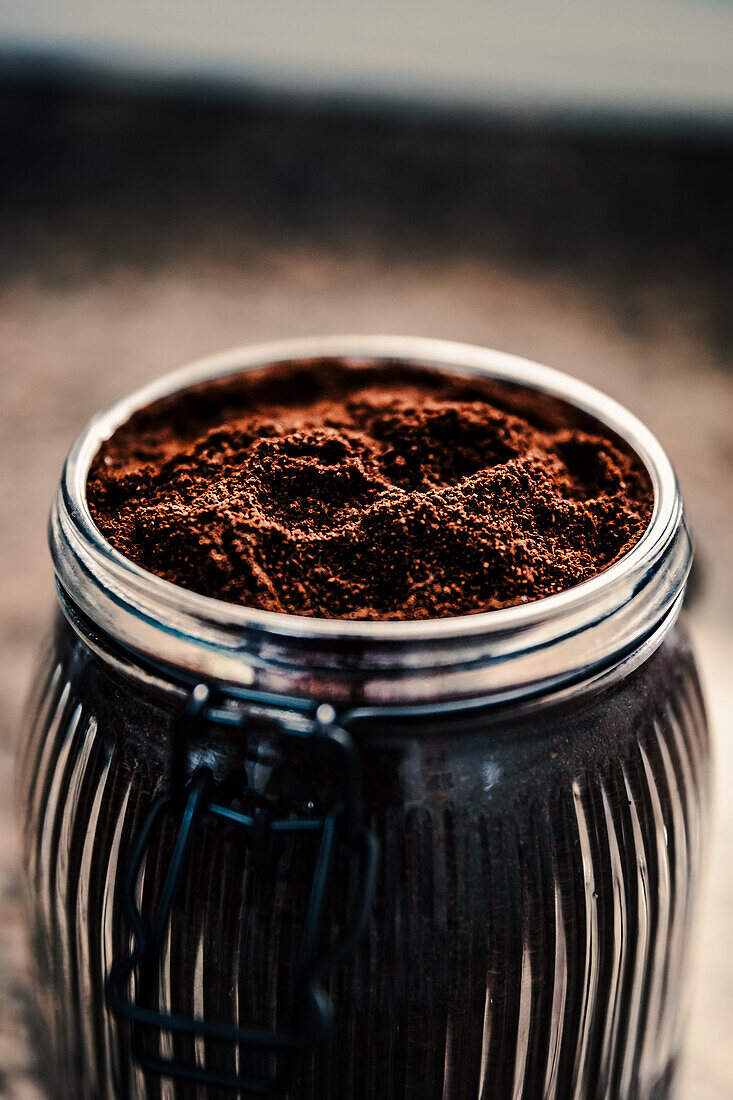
432	860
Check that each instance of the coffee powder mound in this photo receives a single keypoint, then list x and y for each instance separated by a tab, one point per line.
358	492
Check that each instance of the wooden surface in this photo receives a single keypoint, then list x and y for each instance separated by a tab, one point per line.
81	324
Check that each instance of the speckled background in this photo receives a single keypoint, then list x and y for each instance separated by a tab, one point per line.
141	231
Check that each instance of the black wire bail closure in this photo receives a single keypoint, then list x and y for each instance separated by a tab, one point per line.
312	1010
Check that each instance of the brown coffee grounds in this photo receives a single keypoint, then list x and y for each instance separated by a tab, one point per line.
359	492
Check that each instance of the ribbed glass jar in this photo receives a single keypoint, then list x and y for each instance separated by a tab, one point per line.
536	780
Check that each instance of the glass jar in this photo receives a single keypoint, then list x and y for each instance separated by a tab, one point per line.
453	858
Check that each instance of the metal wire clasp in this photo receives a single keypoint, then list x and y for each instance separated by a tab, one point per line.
187	802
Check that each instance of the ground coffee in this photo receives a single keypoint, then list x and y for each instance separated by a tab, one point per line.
367	492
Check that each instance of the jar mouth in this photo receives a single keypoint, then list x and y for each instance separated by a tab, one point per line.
110	588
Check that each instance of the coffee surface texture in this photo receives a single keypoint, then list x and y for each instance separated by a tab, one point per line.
367	491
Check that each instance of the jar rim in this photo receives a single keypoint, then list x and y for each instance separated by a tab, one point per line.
113	590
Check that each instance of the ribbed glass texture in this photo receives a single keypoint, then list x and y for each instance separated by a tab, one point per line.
531	924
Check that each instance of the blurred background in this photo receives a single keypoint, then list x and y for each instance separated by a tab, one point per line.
554	179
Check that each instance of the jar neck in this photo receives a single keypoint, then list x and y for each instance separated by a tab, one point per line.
525	651
352	702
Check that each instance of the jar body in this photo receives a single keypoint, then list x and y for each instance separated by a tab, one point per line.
531	919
